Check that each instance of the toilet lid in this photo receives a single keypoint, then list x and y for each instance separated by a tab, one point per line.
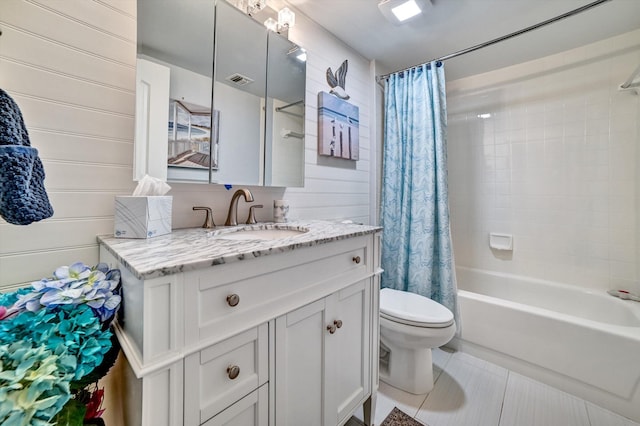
413	309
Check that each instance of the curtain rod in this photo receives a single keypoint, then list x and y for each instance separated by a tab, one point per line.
628	84
505	37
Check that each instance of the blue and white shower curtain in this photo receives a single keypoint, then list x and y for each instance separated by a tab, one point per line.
417	254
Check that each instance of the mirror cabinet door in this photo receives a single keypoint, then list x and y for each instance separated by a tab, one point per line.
239	97
173	127
200	119
284	134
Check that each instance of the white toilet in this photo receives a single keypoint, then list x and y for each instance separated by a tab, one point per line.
410	326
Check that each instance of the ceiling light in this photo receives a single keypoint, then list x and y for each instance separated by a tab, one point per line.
286	21
399	11
286	18
406	10
255	5
249	7
271	24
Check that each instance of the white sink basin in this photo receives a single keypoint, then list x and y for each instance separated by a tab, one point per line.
259	234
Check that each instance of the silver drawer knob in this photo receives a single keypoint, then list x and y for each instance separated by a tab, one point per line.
233	371
356	259
233	300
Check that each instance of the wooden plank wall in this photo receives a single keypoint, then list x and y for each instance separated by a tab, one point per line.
334	188
70	66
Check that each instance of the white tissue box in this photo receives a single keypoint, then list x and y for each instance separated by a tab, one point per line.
142	217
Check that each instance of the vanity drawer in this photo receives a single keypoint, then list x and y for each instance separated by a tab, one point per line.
252	410
219	375
229	298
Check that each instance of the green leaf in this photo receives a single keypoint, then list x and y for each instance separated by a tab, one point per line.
72	414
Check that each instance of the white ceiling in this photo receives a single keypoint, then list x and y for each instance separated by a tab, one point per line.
452	25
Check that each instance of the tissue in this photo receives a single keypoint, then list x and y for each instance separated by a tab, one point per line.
149	185
146	213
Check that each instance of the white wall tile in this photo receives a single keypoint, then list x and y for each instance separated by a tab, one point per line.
559	168
601	417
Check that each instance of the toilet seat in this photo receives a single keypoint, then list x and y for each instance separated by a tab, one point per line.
413	309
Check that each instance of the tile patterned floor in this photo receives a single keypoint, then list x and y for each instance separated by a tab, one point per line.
471	392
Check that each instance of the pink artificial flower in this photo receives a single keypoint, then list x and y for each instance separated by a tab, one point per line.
6	313
94	406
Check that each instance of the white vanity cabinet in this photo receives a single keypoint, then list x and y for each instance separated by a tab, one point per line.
323	358
221	374
252	410
286	339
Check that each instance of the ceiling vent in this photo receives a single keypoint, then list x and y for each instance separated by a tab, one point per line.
239	79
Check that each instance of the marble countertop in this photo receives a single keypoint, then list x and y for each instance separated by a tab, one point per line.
195	248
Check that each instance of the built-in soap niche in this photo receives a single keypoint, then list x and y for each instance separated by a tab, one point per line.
501	245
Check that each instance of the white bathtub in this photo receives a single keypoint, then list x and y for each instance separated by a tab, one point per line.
584	342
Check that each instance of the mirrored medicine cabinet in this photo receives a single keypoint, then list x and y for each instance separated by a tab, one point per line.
219	98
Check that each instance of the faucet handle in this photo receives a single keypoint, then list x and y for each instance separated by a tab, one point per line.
251	220
208	220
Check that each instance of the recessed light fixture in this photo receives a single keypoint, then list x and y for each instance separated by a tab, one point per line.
400	11
406	10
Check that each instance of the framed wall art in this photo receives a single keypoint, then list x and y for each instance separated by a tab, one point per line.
190	136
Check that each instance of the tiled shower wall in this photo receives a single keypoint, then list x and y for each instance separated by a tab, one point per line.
555	165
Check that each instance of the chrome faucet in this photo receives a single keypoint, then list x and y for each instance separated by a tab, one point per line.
232	217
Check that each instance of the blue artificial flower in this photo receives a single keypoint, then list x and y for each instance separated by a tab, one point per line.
34	383
51	335
73	285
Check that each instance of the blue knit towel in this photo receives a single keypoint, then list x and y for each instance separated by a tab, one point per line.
23	199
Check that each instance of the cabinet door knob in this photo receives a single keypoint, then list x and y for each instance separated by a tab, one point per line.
331	328
233	300
233	371
356	259
338	323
